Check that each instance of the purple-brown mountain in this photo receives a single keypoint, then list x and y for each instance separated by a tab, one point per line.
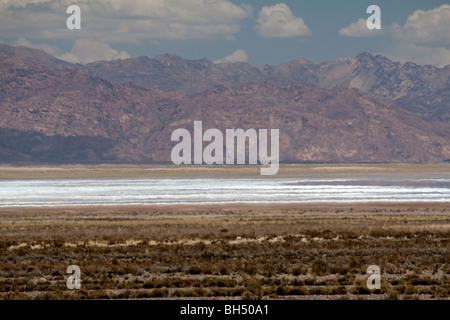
126	110
423	90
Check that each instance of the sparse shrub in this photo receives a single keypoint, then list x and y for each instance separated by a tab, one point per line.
58	243
194	270
391	293
339	290
236	292
249	269
217	282
414	280
344	281
281	291
359	289
320	291
223	270
248	295
148	285
299	271
411	289
98	294
159	293
142	294
297	291
319	268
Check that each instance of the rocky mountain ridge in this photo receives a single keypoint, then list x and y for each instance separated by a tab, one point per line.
65	113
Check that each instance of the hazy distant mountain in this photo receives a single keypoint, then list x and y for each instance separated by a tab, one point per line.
423	90
68	115
171	73
35	55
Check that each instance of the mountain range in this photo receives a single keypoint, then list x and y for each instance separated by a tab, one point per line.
362	109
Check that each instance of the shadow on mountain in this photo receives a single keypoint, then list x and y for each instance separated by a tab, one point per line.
26	146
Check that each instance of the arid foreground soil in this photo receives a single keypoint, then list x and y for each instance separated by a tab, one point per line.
232	252
127	171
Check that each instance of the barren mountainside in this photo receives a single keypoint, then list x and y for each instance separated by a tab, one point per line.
422	90
54	112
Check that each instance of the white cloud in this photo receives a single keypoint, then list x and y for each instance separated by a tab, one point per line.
359	29
423	39
428	27
237	56
20	3
278	21
87	51
22	42
409	52
123	21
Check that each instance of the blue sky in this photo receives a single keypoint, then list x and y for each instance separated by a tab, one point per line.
260	32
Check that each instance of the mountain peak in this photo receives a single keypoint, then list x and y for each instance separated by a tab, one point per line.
301	61
143	58
167	57
132	124
364	56
123	119
35	55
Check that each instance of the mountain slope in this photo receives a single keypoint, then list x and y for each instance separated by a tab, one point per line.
171	73
36	55
90	119
422	90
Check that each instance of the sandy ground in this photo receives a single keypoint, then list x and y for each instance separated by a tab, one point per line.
158	171
312	208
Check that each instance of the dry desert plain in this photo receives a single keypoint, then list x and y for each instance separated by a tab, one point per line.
291	251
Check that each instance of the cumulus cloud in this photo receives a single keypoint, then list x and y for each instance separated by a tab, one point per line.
237	56
278	21
123	21
423	39
427	27
87	51
20	3
22	42
409	52
359	29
